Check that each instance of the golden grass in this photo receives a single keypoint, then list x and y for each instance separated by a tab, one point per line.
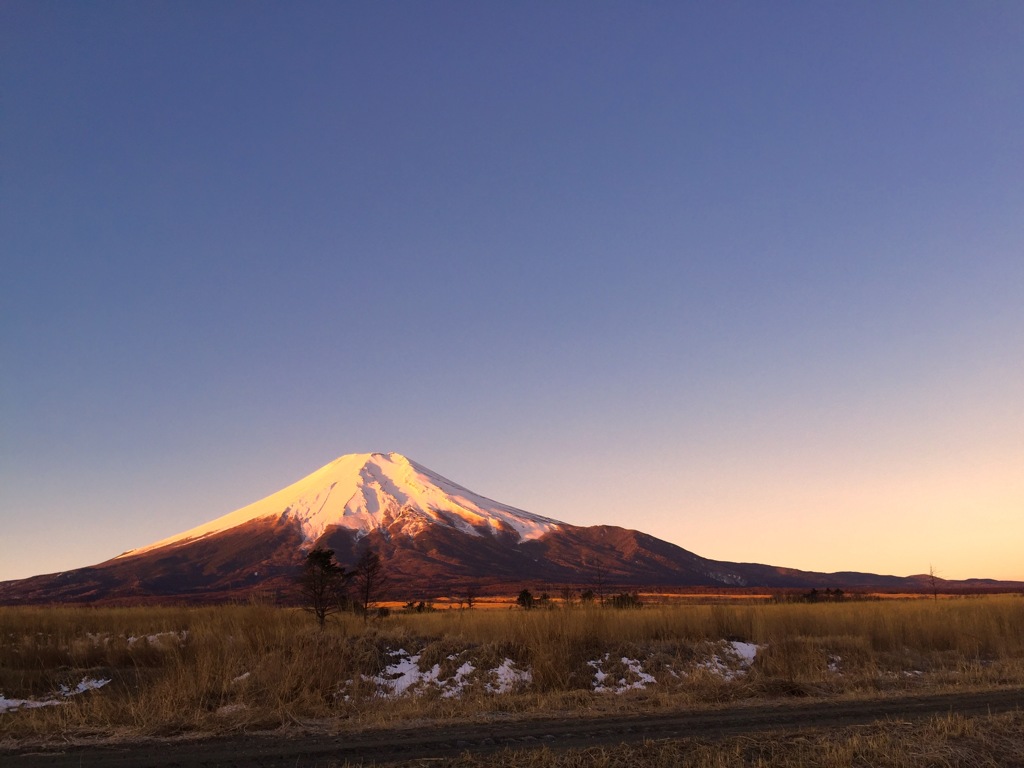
210	669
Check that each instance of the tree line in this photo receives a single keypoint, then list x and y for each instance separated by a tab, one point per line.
327	587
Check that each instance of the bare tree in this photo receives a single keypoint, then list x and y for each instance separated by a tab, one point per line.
322	584
599	579
933	579
370	581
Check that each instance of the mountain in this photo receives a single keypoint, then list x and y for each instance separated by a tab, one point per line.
434	537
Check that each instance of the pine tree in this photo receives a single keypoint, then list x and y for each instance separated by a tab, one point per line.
322	584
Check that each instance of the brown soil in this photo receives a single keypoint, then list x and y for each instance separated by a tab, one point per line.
446	740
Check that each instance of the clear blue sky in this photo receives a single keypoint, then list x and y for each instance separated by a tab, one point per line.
747	276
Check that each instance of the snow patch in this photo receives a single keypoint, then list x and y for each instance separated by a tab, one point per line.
459	681
733	659
160	638
746	652
402	676
9	705
87	684
507	678
632	677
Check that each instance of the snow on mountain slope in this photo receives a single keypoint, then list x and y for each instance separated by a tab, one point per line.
366	491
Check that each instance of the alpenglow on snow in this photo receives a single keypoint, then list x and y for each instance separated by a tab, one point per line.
367	491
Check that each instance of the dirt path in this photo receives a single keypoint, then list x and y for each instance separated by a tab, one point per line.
445	741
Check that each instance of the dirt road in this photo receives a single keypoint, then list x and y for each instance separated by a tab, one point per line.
440	741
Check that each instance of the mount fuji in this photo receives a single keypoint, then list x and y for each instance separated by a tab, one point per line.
368	492
433	536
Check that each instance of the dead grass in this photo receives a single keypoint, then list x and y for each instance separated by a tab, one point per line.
946	742
215	669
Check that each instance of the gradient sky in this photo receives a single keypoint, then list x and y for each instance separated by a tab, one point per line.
746	276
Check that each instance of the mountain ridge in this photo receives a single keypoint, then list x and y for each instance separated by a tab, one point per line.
433	536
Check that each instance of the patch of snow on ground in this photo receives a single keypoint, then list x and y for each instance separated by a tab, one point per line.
160	638
87	684
716	666
157	639
403	676
733	660
458	682
508	677
634	678
9	705
746	652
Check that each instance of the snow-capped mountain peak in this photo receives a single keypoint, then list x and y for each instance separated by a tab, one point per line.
434	536
369	491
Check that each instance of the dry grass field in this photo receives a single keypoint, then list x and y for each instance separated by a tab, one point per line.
984	742
174	670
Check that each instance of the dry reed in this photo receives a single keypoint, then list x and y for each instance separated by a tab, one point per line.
182	669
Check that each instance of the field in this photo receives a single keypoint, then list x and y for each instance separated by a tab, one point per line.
91	674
